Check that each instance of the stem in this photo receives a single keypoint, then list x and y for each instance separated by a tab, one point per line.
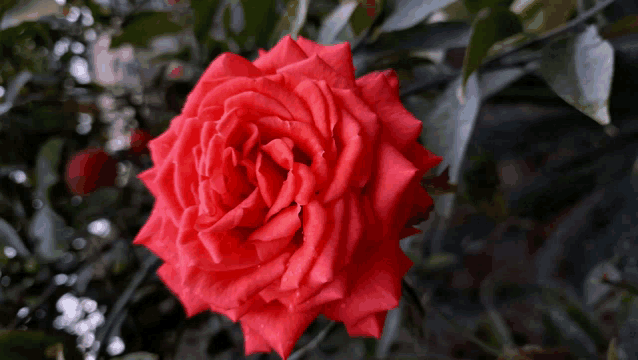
552	33
313	343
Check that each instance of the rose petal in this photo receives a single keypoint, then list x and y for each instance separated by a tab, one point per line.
355	226
229	289
400	127
304	135
148	178
161	146
327	263
278	326
190	250
394	175
251	211
285	224
308	298
371	325
285	52
256	103
225	65
315	68
305	183
338	56
252	141
166	191
192	304
349	132
314	225
310	92
378	288
285	197
280	152
268	178
253	342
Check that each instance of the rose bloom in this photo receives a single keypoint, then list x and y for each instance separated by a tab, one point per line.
282	191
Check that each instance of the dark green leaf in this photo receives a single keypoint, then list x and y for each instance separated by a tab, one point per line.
204	11
581	344
448	122
28	10
432	36
580	70
408	13
47	227
260	18
335	22
47	165
144	26
493	82
20	345
10	237
475	6
291	21
490	26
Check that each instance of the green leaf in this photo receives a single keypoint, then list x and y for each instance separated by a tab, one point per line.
27	10
204	11
448	123
47	164
20	345
493	82
489	27
9	236
574	336
580	69
291	21
139	355
408	13
260	18
475	6
335	22
47	227
144	26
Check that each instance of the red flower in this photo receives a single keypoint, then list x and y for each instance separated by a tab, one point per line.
282	191
139	140
90	169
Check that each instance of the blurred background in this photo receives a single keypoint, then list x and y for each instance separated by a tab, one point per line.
531	251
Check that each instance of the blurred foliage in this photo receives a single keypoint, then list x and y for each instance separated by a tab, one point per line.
506	90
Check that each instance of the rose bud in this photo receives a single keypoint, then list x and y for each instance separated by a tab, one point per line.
139	140
89	170
282	191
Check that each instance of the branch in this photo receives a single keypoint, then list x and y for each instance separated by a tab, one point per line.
413	295
498	59
150	264
552	33
313	343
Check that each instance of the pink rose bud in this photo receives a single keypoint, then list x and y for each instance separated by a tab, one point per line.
89	170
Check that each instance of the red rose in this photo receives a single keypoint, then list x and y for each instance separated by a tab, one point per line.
282	191
89	170
139	139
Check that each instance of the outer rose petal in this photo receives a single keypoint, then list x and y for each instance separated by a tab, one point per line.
377	289
279	327
253	342
399	125
226	64
284	53
171	277
394	174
